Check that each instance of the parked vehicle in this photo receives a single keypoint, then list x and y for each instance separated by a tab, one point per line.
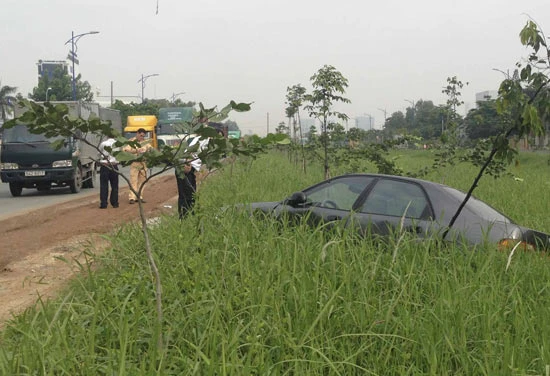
384	204
29	160
147	122
169	131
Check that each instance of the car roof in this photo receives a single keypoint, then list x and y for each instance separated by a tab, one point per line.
400	177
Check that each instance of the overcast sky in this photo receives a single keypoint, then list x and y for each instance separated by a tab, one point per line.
391	51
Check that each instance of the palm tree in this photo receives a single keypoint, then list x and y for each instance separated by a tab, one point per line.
5	97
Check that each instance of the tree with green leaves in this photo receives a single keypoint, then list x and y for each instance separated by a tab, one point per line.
312	135
329	85
58	87
165	103
282	128
447	124
6	100
453	90
424	119
130	109
525	97
294	100
356	134
337	134
484	121
289	112
53	121
396	124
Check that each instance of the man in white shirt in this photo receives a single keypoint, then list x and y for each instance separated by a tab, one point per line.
108	174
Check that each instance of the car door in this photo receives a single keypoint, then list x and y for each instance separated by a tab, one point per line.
331	201
393	205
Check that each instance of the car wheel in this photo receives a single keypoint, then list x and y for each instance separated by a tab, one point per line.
16	189
91	181
76	183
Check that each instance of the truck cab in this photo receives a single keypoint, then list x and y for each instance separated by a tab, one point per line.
147	122
170	124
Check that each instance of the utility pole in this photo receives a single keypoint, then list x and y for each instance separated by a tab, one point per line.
267	123
370	121
385	117
413	109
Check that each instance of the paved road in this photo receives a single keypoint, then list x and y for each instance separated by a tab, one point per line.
31	199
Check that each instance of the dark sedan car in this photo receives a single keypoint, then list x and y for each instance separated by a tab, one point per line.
383	204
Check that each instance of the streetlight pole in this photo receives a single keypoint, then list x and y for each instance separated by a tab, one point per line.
142	80
413	109
175	95
385	116
74	39
48	89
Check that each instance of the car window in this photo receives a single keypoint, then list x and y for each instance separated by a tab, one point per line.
396	198
479	208
339	193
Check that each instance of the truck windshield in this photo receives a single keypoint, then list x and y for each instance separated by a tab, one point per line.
130	135
20	134
166	129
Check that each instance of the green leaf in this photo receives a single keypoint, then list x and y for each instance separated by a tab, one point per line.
240	107
285	141
124	156
58	144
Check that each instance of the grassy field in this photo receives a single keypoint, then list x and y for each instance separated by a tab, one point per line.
249	297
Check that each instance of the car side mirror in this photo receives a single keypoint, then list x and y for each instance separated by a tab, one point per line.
296	199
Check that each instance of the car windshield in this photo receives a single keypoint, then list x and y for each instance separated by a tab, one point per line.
340	193
479	207
20	134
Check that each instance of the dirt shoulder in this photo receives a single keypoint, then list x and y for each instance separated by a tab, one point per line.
40	249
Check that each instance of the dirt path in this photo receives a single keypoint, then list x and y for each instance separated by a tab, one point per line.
39	249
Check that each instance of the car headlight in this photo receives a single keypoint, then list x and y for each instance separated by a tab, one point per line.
64	163
9	166
511	244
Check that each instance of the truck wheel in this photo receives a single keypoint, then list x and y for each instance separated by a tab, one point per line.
76	183
16	189
91	180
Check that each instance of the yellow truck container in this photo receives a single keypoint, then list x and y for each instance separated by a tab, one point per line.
147	122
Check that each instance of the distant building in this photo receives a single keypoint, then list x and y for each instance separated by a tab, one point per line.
365	122
47	67
486	95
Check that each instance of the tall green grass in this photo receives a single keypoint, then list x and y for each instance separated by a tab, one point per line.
244	296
